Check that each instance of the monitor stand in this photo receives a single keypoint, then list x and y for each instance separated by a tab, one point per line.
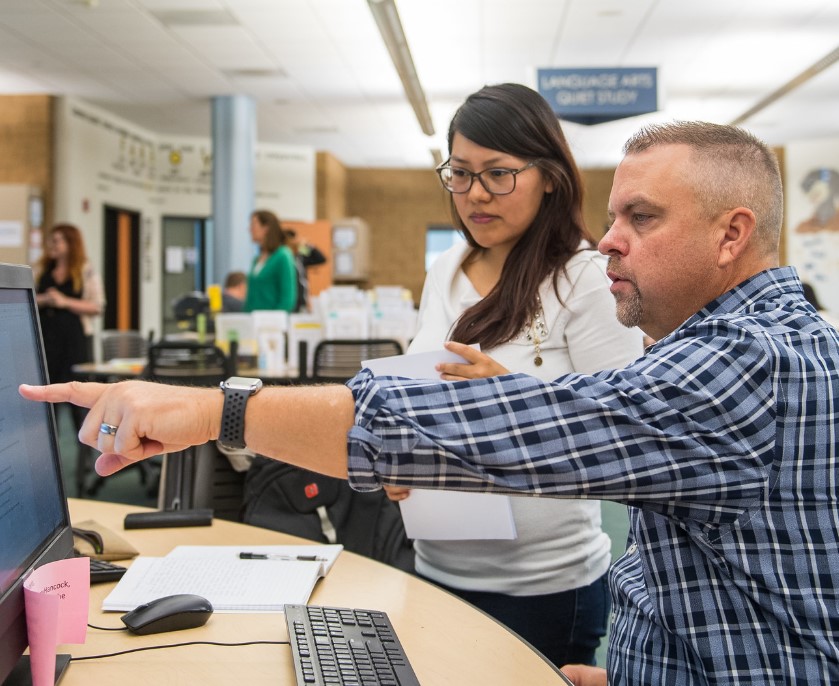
21	675
177	489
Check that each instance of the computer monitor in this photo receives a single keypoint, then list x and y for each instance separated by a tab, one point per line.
34	521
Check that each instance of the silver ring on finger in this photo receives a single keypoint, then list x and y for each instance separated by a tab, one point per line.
107	429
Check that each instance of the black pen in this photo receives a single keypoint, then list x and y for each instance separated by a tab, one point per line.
277	556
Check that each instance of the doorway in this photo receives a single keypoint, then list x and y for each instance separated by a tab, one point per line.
184	260
122	269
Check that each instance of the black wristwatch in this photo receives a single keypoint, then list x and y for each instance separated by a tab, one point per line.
237	390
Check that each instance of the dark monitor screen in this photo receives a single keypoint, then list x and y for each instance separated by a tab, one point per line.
34	522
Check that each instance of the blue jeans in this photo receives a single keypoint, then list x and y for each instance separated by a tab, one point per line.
565	627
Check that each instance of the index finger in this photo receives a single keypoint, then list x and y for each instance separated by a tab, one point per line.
81	394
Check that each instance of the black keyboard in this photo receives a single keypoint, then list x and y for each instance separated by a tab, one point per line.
343	646
101	571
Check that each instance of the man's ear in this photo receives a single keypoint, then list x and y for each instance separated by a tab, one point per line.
738	227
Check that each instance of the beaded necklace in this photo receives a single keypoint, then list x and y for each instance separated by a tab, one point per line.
536	331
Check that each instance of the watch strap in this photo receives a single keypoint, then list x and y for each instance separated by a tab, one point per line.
233	418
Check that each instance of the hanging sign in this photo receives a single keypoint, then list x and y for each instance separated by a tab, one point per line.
594	96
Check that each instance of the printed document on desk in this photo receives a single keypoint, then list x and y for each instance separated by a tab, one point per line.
230	583
445	515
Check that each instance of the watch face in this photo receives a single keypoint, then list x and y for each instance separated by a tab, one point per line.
243	383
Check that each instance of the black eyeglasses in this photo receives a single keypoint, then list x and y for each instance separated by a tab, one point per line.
498	181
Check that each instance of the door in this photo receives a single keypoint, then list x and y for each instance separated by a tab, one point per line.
122	269
184	260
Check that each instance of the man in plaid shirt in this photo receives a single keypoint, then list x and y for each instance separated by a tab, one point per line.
722	438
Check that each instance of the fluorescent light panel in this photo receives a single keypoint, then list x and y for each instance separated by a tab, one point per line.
387	19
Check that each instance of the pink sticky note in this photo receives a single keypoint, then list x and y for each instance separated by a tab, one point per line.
56	597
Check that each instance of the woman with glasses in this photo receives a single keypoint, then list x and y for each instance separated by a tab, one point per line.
529	287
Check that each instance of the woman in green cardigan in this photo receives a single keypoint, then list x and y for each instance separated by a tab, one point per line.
272	281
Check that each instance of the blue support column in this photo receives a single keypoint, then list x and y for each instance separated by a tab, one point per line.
234	142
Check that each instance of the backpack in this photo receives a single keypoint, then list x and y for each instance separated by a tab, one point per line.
293	500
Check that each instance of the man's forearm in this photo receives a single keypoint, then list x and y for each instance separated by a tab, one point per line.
306	426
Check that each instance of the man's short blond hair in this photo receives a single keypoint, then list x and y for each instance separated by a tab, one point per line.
733	169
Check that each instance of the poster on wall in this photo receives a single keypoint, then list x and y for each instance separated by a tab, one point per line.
812	193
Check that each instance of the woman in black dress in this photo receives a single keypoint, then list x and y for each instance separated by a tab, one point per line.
69	294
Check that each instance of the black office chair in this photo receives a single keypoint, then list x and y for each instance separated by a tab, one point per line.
187	363
199	477
337	360
122	344
113	344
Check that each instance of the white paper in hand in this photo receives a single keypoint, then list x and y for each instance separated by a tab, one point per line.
445	515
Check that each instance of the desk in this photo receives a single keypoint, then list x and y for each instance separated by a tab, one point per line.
448	642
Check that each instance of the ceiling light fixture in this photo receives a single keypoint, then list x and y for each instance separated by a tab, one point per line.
790	85
387	19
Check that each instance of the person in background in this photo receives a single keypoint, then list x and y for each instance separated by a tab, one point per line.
529	287
824	313
69	295
234	292
305	255
721	438
272	280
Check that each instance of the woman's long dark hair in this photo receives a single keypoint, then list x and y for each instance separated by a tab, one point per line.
516	120
274	235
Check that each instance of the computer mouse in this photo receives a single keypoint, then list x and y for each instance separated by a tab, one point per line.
170	613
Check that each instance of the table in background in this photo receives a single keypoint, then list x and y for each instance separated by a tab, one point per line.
110	371
448	642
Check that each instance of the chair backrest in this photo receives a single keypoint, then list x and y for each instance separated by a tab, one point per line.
337	360
187	363
122	344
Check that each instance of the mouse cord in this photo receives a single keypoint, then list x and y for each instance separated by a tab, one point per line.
108	628
180	645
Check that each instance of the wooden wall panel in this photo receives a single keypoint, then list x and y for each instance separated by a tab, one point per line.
331	188
597	184
399	205
27	143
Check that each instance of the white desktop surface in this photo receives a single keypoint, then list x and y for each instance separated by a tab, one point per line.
448	642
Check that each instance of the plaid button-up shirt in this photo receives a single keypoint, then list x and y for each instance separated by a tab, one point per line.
722	439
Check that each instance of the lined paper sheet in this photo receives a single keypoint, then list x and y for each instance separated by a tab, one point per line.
229	583
212	552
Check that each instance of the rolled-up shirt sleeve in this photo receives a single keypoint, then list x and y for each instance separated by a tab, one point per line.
687	432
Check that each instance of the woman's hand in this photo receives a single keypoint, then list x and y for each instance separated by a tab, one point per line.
396	493
58	299
480	366
150	418
51	297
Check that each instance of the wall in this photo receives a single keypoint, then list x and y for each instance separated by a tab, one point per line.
331	188
812	215
102	159
597	184
26	143
398	205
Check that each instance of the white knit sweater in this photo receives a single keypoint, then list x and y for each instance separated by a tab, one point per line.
560	544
